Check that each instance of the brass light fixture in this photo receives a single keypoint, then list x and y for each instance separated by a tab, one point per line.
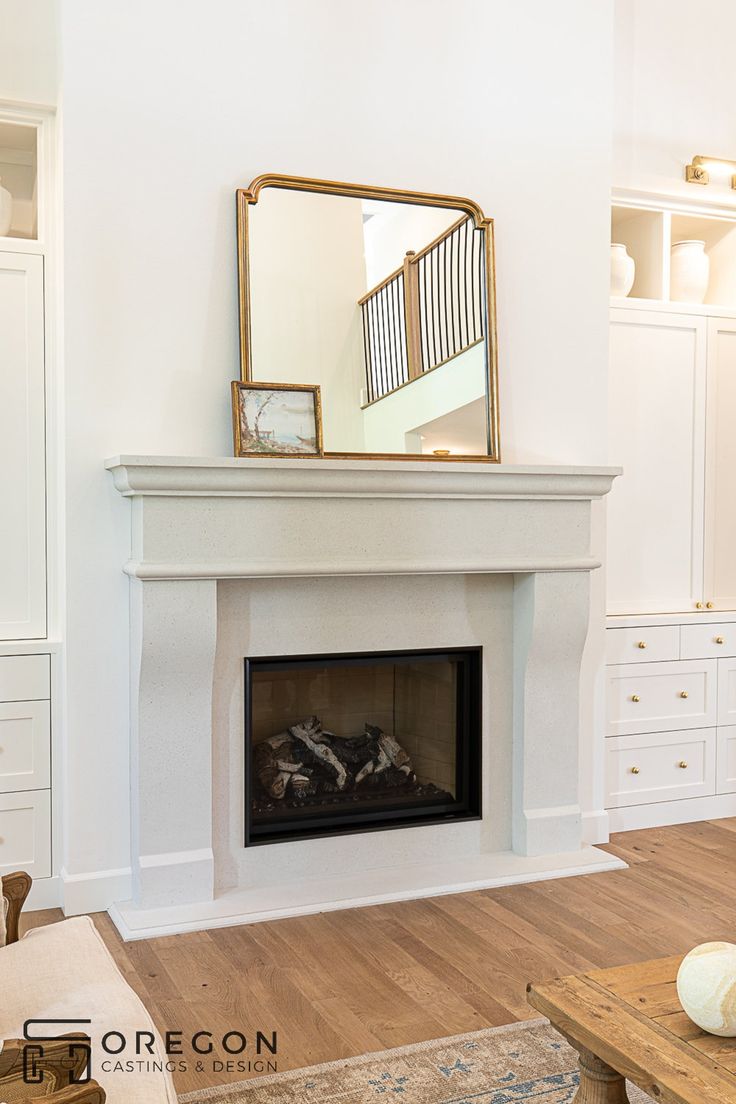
698	171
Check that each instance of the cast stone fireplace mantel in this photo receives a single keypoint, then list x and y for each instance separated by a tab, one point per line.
313	526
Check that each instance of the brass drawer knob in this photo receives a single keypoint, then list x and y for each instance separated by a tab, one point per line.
642	644
698	605
684	694
634	770
635	698
709	605
720	640
682	765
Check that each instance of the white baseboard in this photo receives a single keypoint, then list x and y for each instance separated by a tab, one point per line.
372	887
595	827
45	894
94	892
663	813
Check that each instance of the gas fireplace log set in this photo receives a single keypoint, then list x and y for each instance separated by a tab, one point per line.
307	763
360	741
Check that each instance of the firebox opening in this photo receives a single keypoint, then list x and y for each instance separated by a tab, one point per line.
361	742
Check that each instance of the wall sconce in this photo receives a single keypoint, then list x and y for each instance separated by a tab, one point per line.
699	170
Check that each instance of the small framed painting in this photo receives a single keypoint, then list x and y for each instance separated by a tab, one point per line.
277	419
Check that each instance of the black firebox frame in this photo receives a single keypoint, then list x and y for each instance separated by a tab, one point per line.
466	806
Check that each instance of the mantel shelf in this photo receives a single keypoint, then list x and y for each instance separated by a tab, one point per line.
326	478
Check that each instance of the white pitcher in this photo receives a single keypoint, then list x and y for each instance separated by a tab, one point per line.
689	272
6	211
623	270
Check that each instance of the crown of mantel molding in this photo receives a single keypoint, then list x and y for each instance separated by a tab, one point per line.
180	476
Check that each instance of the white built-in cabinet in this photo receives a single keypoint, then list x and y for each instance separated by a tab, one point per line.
22	448
27	653
671	530
672	413
657	399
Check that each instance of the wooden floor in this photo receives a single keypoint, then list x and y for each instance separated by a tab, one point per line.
345	983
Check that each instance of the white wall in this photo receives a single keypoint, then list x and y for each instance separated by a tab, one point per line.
673	93
28	62
167	108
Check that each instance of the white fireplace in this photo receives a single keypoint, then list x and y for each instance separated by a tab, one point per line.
233	559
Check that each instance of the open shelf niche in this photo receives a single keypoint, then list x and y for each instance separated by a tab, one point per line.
644	233
649	234
19	176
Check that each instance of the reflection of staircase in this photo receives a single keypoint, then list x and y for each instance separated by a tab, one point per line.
428	311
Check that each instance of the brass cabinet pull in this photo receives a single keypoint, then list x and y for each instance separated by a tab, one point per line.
682	765
642	644
709	605
635	698
720	640
634	770
698	605
684	694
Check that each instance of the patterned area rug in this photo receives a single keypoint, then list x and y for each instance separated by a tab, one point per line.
502	1065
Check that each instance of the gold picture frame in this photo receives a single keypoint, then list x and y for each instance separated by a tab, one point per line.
246	197
252	438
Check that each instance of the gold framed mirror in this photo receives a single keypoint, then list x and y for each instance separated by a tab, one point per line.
382	298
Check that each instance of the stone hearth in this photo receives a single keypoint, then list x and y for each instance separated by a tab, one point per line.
235	558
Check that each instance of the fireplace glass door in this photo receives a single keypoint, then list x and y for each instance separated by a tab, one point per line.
359	742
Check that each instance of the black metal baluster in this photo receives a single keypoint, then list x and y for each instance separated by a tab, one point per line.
465	279
444	290
394	288
384	338
481	289
431	258
366	353
374	347
402	327
453	295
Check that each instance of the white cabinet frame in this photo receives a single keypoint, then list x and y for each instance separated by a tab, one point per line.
23	438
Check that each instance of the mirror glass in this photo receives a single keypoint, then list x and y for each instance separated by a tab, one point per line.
386	305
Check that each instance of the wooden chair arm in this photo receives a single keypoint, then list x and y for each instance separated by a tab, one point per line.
16	888
91	1093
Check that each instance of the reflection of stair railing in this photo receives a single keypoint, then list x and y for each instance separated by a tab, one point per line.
428	311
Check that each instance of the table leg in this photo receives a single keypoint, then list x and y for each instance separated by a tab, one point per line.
599	1083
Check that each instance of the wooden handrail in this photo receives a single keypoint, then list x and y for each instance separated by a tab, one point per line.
414	258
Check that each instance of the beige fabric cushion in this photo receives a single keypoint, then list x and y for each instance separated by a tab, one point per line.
64	971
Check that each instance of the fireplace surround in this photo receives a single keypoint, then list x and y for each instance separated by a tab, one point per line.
233	558
397	742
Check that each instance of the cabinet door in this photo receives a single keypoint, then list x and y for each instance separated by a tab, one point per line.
22	448
720	526
657	434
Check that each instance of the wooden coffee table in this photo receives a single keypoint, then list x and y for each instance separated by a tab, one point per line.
628	1023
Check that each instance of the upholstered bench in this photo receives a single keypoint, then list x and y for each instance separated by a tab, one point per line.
64	972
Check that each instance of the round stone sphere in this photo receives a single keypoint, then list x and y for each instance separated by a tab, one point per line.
706	986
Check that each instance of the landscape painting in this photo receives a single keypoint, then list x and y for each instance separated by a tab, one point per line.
271	419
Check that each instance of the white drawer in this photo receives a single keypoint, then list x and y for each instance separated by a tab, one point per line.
727	691
656	697
660	766
707	641
726	760
642	645
25	678
25	746
25	833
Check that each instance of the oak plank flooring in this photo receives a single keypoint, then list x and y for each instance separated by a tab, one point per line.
345	983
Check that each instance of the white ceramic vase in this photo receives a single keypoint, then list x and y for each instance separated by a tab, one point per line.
623	270
689	272
6	211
